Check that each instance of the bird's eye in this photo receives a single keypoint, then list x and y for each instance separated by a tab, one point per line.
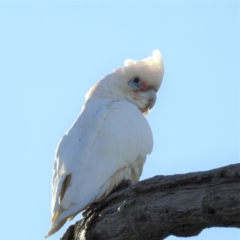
135	83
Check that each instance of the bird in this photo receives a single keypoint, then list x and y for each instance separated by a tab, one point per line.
109	141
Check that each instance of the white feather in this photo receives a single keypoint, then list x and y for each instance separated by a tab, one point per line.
108	142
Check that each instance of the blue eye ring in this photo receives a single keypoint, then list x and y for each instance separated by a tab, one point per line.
135	83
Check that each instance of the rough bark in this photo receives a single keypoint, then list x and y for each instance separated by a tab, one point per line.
181	205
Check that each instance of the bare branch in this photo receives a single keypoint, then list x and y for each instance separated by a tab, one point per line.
181	205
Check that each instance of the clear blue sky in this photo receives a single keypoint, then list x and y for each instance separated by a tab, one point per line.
51	53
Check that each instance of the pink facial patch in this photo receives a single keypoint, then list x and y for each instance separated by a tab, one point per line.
144	86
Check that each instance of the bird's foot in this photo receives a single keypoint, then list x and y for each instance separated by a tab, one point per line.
91	208
124	184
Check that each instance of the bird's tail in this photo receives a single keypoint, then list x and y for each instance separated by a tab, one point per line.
55	227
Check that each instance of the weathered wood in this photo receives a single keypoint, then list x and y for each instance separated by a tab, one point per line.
181	205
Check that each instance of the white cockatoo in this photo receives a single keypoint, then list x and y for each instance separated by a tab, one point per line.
108	142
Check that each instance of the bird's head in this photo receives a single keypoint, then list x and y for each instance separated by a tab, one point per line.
137	82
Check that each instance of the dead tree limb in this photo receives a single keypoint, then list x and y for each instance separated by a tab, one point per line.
181	205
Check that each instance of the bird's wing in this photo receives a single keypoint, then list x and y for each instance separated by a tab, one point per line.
107	137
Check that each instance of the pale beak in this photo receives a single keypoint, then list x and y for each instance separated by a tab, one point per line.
151	97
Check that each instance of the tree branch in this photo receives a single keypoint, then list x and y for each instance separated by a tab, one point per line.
181	205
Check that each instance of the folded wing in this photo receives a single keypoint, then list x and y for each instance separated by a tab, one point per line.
91	159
